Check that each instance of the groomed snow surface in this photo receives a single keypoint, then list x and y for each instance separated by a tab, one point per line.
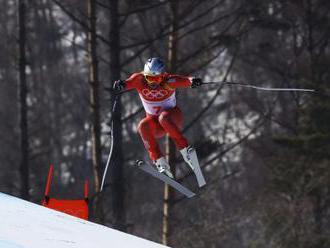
27	225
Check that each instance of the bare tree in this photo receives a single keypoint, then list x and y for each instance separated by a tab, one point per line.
23	94
116	170
95	107
170	147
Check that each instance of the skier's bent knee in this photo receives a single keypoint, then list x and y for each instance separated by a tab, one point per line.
143	126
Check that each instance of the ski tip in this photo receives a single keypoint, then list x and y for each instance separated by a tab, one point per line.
202	185
191	195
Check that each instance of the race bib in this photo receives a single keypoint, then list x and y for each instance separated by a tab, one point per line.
156	107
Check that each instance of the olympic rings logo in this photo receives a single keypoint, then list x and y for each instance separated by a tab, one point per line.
154	94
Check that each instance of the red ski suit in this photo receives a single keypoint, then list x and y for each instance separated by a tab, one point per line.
162	114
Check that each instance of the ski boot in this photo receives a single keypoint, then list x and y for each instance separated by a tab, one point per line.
190	157
163	167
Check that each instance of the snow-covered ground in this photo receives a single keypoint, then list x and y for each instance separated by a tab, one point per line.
27	225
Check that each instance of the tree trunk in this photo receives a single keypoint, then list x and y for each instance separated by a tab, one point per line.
116	169
170	148
95	108
24	142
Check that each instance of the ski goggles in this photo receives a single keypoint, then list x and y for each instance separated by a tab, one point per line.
152	79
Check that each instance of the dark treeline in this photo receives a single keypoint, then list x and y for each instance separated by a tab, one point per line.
265	155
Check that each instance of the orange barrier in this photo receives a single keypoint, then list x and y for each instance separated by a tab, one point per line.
77	208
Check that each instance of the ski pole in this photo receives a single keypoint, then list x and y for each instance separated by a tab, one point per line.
258	87
116	95
111	136
111	141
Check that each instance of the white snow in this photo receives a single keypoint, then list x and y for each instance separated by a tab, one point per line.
27	225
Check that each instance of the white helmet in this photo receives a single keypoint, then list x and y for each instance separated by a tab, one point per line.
154	69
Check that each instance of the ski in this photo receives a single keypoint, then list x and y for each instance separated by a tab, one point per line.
190	157
171	182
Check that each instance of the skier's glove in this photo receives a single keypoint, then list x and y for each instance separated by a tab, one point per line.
119	85
196	82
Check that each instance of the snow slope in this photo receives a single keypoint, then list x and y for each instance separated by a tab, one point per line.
27	225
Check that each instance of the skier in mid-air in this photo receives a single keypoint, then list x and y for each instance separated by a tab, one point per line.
156	89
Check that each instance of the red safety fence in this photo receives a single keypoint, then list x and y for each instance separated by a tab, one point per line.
77	208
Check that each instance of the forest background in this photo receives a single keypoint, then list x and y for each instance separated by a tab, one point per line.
265	155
